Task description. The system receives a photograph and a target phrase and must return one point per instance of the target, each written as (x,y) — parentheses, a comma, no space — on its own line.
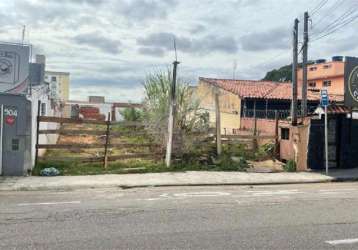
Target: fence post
(105,158)
(37,132)
(255,128)
(277,146)
(218,124)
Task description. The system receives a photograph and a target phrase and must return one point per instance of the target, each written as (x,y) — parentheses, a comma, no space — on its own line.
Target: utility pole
(304,66)
(218,123)
(294,74)
(172,111)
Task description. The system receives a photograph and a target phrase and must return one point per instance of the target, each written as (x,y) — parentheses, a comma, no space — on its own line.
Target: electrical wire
(331,9)
(337,22)
(354,18)
(319,6)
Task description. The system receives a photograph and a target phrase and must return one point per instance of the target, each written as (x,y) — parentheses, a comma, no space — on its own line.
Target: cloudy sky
(109,46)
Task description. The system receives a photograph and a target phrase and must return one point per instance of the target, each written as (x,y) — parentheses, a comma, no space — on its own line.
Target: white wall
(41,93)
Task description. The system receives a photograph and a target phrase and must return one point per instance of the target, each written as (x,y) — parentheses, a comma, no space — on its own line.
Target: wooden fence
(107,133)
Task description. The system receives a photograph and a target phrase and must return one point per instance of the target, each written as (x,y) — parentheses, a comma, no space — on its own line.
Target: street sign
(324,97)
(325,103)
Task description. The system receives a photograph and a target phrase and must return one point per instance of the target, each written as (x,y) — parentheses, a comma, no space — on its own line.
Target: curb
(77,187)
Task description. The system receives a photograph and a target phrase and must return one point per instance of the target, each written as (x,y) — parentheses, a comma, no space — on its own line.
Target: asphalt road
(314,216)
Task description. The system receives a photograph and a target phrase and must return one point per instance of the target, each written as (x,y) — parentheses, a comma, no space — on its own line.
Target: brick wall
(264,126)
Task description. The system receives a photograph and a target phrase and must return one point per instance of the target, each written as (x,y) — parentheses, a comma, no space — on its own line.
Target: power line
(336,28)
(319,6)
(338,21)
(333,7)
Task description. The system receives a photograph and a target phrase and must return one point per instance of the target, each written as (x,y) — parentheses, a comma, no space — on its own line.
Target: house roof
(264,89)
(334,110)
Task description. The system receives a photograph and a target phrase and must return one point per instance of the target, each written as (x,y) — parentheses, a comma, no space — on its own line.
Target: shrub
(230,163)
(290,166)
(132,114)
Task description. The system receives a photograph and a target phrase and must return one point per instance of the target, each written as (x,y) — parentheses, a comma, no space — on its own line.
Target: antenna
(175,50)
(23,34)
(234,69)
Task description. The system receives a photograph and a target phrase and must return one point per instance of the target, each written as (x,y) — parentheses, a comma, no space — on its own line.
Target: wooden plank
(87,146)
(69,120)
(69,146)
(128,133)
(72,132)
(72,159)
(101,158)
(133,156)
(238,137)
(127,124)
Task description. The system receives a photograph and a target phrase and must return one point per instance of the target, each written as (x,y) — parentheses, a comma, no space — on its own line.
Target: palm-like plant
(188,116)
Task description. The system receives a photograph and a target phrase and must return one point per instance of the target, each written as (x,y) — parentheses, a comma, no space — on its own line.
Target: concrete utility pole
(171,115)
(304,66)
(218,123)
(294,74)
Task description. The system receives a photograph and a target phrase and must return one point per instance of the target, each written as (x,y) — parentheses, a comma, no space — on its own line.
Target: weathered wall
(230,107)
(295,148)
(264,126)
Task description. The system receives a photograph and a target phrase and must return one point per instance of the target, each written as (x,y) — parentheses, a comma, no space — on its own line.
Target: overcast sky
(109,46)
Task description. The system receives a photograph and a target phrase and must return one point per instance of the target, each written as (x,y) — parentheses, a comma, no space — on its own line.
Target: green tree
(283,74)
(188,117)
(132,114)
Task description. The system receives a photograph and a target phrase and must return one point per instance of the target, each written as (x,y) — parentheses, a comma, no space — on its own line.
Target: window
(43,109)
(327,66)
(53,78)
(327,83)
(15,144)
(285,133)
(312,84)
(313,68)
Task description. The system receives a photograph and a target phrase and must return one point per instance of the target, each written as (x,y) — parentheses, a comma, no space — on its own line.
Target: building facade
(323,74)
(230,106)
(23,94)
(242,100)
(59,84)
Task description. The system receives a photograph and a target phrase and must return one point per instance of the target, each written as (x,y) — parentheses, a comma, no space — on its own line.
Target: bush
(132,114)
(265,152)
(290,166)
(231,163)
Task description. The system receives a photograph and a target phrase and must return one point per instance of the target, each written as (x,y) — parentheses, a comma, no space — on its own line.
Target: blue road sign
(324,97)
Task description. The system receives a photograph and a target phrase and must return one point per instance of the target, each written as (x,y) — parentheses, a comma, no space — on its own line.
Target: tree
(188,117)
(283,74)
(131,114)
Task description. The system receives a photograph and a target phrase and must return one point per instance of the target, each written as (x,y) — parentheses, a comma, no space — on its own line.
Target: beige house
(230,106)
(59,84)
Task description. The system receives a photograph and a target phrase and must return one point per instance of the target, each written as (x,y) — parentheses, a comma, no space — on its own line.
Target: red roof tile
(263,89)
(334,110)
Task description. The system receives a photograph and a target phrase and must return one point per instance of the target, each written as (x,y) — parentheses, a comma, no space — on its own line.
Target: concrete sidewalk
(159,179)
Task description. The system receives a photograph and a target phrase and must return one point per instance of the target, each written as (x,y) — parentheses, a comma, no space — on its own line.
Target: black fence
(266,114)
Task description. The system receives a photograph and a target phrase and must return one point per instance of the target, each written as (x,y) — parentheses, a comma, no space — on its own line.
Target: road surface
(309,216)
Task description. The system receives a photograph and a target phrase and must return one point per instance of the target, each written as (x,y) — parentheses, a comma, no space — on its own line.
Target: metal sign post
(325,102)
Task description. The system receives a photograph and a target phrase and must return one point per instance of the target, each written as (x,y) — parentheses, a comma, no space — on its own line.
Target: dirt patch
(268,166)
